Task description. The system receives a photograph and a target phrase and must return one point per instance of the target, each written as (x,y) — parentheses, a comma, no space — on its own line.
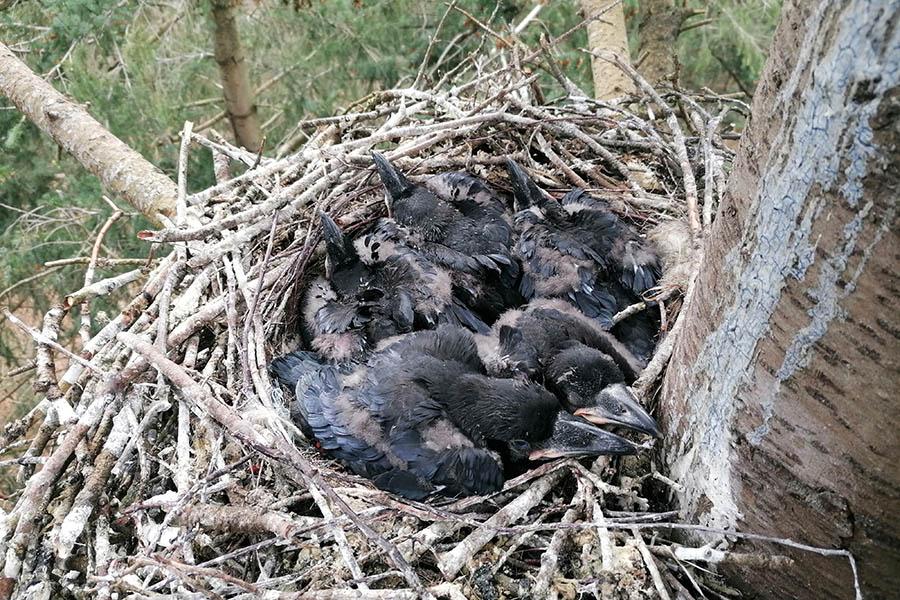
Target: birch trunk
(780,403)
(120,169)
(609,34)
(239,104)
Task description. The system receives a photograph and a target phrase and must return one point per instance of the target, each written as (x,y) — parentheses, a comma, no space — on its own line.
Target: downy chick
(550,341)
(579,244)
(366,297)
(556,263)
(632,262)
(470,238)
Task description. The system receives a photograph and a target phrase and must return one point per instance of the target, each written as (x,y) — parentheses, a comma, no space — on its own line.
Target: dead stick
(103,287)
(451,562)
(282,451)
(650,562)
(550,558)
(84,331)
(42,339)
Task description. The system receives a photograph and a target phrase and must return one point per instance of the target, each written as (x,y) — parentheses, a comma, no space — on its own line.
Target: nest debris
(168,464)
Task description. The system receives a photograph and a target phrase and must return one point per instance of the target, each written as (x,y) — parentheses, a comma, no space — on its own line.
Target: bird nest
(162,460)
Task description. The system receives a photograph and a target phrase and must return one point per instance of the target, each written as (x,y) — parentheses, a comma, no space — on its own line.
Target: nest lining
(169,465)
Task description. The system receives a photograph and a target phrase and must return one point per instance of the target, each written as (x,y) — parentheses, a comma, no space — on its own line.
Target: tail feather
(458,314)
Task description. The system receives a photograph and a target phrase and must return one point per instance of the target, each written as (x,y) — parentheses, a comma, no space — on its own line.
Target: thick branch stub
(120,169)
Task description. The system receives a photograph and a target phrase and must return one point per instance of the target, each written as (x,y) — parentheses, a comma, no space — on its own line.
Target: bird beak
(393,180)
(334,240)
(525,191)
(574,437)
(616,405)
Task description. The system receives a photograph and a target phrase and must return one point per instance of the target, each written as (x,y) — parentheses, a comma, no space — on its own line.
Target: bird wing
(624,249)
(332,416)
(456,471)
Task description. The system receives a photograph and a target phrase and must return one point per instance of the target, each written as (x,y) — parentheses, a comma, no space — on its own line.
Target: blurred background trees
(144,67)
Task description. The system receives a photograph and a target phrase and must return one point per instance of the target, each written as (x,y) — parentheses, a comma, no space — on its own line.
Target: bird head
(592,386)
(525,191)
(395,183)
(339,250)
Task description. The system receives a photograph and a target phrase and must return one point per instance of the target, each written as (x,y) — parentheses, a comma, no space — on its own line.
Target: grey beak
(335,249)
(616,405)
(574,437)
(393,180)
(525,191)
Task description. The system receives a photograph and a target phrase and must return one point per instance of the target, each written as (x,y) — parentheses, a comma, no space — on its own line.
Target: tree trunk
(608,33)
(780,401)
(120,169)
(235,76)
(661,22)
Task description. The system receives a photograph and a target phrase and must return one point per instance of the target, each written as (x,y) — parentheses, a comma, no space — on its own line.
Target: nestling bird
(471,239)
(551,342)
(422,416)
(579,250)
(373,290)
(556,262)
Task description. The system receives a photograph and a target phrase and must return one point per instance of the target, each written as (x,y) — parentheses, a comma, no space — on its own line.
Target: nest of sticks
(161,461)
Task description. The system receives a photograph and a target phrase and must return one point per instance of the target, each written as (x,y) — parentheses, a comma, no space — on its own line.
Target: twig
(27,280)
(650,563)
(711,555)
(550,558)
(431,42)
(100,262)
(43,339)
(85,329)
(451,562)
(103,287)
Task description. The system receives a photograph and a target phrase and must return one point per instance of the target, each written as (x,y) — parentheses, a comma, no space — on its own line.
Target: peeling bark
(236,87)
(780,401)
(608,33)
(120,169)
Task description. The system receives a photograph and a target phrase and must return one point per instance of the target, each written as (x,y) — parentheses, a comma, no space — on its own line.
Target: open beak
(394,181)
(525,191)
(616,405)
(574,437)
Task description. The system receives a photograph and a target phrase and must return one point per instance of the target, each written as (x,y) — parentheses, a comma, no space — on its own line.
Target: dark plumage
(628,256)
(556,261)
(552,342)
(421,416)
(476,199)
(375,289)
(429,285)
(632,262)
(579,250)
(466,234)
